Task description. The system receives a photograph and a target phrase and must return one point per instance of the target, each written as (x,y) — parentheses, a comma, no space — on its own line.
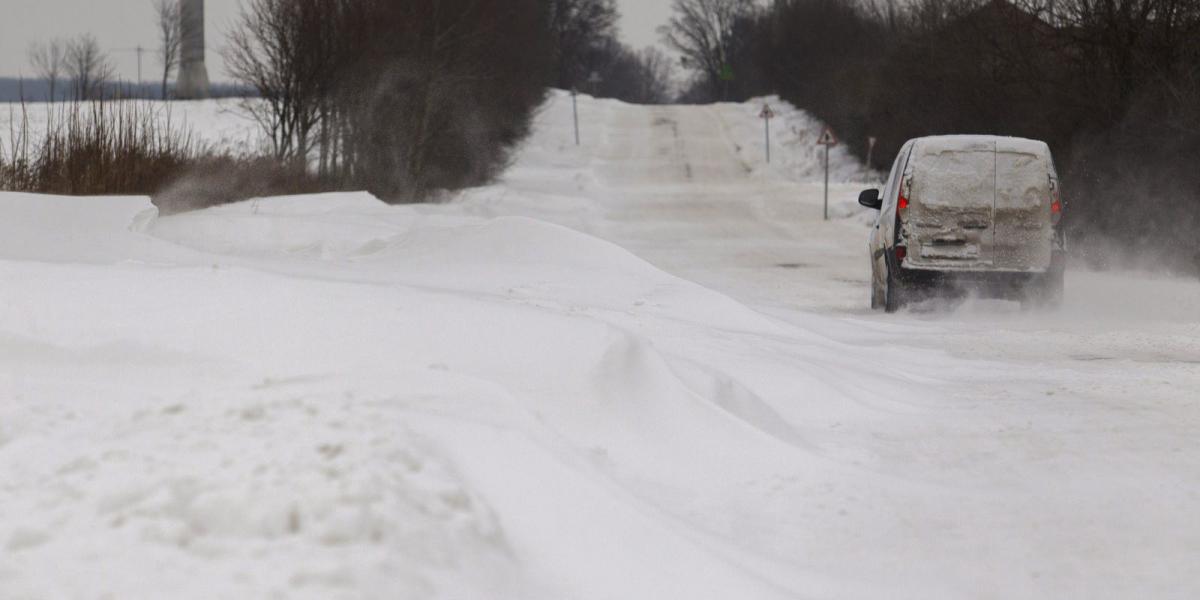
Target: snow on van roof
(936,144)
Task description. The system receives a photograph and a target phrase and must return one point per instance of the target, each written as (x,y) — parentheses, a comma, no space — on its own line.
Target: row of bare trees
(167,24)
(80,60)
(589,57)
(87,69)
(711,36)
(399,98)
(1112,85)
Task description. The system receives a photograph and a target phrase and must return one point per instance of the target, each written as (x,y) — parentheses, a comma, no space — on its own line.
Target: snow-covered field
(643,368)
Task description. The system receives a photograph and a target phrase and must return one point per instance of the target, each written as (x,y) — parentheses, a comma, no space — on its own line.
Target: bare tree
(703,32)
(166,17)
(655,73)
(578,27)
(399,98)
(88,67)
(48,60)
(636,77)
(283,49)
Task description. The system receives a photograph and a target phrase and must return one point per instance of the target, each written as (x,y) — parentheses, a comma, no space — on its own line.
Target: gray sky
(121,25)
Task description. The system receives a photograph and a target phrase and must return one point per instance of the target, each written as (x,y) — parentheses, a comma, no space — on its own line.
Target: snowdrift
(70,229)
(322,394)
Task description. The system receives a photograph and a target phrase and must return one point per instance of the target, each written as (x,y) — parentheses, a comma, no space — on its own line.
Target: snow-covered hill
(640,368)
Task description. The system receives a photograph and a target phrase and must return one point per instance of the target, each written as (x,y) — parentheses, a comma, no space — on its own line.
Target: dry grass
(134,148)
(96,148)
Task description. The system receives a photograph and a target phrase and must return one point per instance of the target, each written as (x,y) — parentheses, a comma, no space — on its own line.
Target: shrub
(96,148)
(135,148)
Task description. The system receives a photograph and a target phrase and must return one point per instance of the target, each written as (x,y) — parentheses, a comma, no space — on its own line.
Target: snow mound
(74,229)
(333,397)
(279,486)
(795,154)
(306,204)
(524,259)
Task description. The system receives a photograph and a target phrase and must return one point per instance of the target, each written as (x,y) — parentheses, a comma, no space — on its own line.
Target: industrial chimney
(193,74)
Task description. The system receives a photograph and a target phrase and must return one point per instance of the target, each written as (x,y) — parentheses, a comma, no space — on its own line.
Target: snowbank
(795,154)
(331,396)
(72,229)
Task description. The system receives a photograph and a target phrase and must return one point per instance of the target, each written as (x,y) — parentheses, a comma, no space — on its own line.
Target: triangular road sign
(827,138)
(766,113)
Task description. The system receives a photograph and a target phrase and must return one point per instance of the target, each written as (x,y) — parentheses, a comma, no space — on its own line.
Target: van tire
(1053,289)
(1045,293)
(877,295)
(895,296)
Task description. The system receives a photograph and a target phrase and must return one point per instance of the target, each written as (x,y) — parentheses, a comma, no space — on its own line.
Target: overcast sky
(122,25)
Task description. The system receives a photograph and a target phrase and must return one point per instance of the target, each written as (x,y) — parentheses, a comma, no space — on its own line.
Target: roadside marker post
(575,112)
(593,80)
(871,141)
(828,141)
(766,115)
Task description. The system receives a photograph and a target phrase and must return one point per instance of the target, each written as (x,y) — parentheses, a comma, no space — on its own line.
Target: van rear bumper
(987,282)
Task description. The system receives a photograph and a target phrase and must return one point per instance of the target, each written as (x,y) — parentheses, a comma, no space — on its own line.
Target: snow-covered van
(979,213)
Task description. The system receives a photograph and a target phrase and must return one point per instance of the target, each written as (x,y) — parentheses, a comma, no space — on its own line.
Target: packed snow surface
(639,368)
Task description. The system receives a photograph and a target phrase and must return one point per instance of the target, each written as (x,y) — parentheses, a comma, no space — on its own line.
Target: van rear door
(952,194)
(1023,228)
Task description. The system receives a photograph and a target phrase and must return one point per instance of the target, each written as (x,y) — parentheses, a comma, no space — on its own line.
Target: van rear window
(955,178)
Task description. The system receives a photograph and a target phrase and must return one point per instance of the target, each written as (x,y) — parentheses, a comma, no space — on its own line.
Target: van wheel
(1047,293)
(1053,288)
(895,295)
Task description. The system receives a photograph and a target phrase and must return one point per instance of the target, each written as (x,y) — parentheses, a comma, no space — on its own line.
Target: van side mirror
(870,199)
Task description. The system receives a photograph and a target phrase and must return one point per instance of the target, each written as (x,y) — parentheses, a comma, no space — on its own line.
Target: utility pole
(139,50)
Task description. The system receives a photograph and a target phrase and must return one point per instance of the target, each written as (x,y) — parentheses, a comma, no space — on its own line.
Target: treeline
(398,98)
(408,98)
(403,99)
(589,57)
(1112,85)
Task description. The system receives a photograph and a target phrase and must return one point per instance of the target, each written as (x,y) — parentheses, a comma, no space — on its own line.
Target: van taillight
(901,252)
(1055,209)
(903,203)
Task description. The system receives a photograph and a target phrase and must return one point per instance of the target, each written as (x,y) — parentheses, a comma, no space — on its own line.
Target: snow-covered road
(1053,454)
(643,368)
